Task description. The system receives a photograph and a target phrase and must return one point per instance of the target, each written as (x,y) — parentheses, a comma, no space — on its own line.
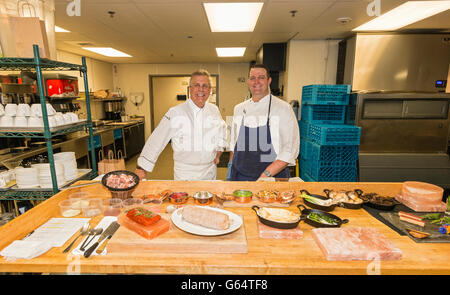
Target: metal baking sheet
(432,229)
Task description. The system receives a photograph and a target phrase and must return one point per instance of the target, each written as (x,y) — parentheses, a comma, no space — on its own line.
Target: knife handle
(91,249)
(103,245)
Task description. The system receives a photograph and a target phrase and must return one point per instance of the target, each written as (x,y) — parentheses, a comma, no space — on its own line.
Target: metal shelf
(29,64)
(38,65)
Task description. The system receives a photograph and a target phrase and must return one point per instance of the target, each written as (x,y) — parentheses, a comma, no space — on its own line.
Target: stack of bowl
(70,164)
(45,175)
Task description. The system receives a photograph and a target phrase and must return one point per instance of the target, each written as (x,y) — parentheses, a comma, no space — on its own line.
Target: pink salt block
(355,243)
(422,192)
(267,232)
(419,206)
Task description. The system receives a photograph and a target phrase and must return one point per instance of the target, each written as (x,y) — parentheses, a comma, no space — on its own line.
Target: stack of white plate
(26,177)
(45,175)
(70,164)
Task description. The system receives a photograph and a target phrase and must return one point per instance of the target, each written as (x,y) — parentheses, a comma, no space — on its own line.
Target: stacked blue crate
(328,146)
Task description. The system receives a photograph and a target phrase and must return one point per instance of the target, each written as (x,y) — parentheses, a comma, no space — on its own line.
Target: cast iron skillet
(317,206)
(380,206)
(118,172)
(348,205)
(275,224)
(305,212)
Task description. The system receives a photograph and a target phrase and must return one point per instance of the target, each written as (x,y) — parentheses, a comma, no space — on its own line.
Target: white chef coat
(284,129)
(196,135)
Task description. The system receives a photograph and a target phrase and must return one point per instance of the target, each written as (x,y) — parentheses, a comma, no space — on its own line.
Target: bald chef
(197,132)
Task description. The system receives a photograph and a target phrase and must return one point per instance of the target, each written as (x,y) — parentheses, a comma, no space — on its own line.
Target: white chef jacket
(284,129)
(196,135)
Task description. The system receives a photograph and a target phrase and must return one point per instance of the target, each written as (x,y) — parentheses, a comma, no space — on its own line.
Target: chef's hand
(229,171)
(217,158)
(140,173)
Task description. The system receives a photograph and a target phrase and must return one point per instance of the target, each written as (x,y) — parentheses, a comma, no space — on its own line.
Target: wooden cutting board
(178,241)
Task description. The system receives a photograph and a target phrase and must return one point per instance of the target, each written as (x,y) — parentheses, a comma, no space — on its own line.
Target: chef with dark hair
(265,137)
(197,133)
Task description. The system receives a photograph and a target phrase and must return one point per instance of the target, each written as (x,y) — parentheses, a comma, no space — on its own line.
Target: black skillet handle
(359,192)
(300,205)
(304,191)
(343,221)
(327,192)
(254,207)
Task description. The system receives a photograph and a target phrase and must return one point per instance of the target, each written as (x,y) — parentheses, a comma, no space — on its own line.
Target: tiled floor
(164,166)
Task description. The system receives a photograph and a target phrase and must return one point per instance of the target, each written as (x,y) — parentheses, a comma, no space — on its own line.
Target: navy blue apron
(251,157)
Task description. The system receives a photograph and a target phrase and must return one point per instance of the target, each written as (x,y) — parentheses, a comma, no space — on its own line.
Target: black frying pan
(305,212)
(317,206)
(275,224)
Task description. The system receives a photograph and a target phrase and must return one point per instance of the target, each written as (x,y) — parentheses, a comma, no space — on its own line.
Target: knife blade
(110,230)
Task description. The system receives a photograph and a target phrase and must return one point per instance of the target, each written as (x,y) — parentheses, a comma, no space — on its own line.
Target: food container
(203,198)
(373,200)
(178,198)
(273,223)
(121,193)
(348,205)
(79,199)
(68,209)
(305,213)
(242,196)
(92,209)
(131,203)
(317,206)
(268,196)
(112,207)
(286,197)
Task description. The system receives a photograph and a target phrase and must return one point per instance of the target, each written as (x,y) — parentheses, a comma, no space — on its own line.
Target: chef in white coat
(197,133)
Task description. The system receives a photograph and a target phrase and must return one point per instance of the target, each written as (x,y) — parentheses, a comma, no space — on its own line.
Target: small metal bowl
(178,198)
(243,196)
(203,198)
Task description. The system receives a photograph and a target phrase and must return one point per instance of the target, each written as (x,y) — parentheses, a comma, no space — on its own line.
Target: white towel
(25,249)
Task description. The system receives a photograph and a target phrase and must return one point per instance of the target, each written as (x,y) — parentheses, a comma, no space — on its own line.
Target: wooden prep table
(265,256)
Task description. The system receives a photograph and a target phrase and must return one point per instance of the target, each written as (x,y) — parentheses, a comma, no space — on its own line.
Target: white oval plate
(177,219)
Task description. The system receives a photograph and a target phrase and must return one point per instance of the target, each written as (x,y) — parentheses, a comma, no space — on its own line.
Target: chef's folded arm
(155,144)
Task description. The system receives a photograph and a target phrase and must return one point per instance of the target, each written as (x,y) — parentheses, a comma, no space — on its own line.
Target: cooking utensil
(317,206)
(92,234)
(80,185)
(417,234)
(110,230)
(386,205)
(83,231)
(276,224)
(305,212)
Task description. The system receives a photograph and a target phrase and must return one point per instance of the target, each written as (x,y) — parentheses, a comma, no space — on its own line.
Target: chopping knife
(112,228)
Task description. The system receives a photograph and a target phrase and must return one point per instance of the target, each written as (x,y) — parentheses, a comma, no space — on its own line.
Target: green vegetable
(322,219)
(431,216)
(310,199)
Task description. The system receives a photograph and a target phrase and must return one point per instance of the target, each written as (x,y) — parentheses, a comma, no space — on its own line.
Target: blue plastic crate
(346,173)
(303,154)
(326,94)
(323,114)
(350,113)
(97,142)
(331,154)
(305,177)
(334,134)
(352,98)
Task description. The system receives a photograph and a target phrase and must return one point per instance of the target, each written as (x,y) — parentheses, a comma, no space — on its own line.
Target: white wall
(309,62)
(135,78)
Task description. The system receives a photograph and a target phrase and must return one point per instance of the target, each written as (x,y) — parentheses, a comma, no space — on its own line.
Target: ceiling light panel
(107,51)
(60,30)
(230,51)
(405,14)
(233,17)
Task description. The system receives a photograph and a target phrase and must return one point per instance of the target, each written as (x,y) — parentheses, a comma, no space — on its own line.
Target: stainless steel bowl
(203,197)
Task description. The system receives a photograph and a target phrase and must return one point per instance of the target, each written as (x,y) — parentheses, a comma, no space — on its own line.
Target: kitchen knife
(108,232)
(102,246)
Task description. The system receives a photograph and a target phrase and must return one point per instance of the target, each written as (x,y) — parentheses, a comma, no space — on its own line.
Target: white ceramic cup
(23,109)
(59,119)
(7,121)
(11,109)
(52,121)
(74,117)
(67,118)
(20,121)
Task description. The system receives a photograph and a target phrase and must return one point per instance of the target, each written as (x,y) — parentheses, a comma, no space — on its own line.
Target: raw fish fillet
(267,232)
(355,243)
(148,232)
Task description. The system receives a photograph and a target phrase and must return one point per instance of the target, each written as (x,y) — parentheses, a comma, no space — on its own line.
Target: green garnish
(322,219)
(431,216)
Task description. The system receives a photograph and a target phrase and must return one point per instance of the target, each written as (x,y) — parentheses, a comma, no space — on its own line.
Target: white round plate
(177,219)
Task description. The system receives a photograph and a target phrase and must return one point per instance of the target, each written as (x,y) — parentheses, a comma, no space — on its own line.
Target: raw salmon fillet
(267,232)
(355,243)
(148,232)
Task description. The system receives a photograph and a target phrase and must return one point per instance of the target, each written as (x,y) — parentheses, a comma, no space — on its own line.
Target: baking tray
(432,229)
(41,129)
(81,173)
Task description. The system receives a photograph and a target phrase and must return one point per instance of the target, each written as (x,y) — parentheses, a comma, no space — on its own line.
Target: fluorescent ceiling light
(405,14)
(230,51)
(107,51)
(232,17)
(60,30)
